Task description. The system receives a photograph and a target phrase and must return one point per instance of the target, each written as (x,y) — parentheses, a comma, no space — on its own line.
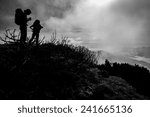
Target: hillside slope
(57,71)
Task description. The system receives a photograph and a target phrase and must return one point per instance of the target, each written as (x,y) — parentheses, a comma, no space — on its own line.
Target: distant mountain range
(139,56)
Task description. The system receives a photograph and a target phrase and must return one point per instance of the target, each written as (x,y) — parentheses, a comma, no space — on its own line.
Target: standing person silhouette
(21,19)
(23,26)
(36,27)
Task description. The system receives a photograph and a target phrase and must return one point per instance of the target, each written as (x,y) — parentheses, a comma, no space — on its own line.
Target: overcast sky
(98,24)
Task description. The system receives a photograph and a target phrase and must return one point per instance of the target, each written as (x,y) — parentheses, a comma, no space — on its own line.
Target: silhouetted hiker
(36,27)
(21,19)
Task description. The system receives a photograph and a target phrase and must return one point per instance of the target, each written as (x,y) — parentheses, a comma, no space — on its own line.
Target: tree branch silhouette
(11,36)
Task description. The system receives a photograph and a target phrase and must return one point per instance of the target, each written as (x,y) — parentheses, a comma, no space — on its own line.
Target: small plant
(63,40)
(11,36)
(86,55)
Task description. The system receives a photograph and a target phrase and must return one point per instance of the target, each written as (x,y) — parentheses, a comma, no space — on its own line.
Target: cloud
(111,25)
(44,9)
(136,12)
(100,26)
(7,9)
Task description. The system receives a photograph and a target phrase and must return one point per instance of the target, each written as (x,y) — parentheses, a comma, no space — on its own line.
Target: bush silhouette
(137,76)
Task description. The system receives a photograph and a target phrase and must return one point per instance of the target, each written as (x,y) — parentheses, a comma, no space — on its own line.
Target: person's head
(19,11)
(27,11)
(37,22)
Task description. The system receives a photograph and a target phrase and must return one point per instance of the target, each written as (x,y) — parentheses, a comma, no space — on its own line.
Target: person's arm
(28,19)
(41,26)
(31,26)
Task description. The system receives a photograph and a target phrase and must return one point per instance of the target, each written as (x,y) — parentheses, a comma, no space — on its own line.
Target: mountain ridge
(103,55)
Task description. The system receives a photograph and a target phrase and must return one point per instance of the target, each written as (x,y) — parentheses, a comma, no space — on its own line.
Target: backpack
(18,16)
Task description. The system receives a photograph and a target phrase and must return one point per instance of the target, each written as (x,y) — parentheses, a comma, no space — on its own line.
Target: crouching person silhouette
(21,19)
(36,27)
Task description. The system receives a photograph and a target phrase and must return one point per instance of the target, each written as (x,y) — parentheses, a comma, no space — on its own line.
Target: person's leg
(23,37)
(37,39)
(25,34)
(33,36)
